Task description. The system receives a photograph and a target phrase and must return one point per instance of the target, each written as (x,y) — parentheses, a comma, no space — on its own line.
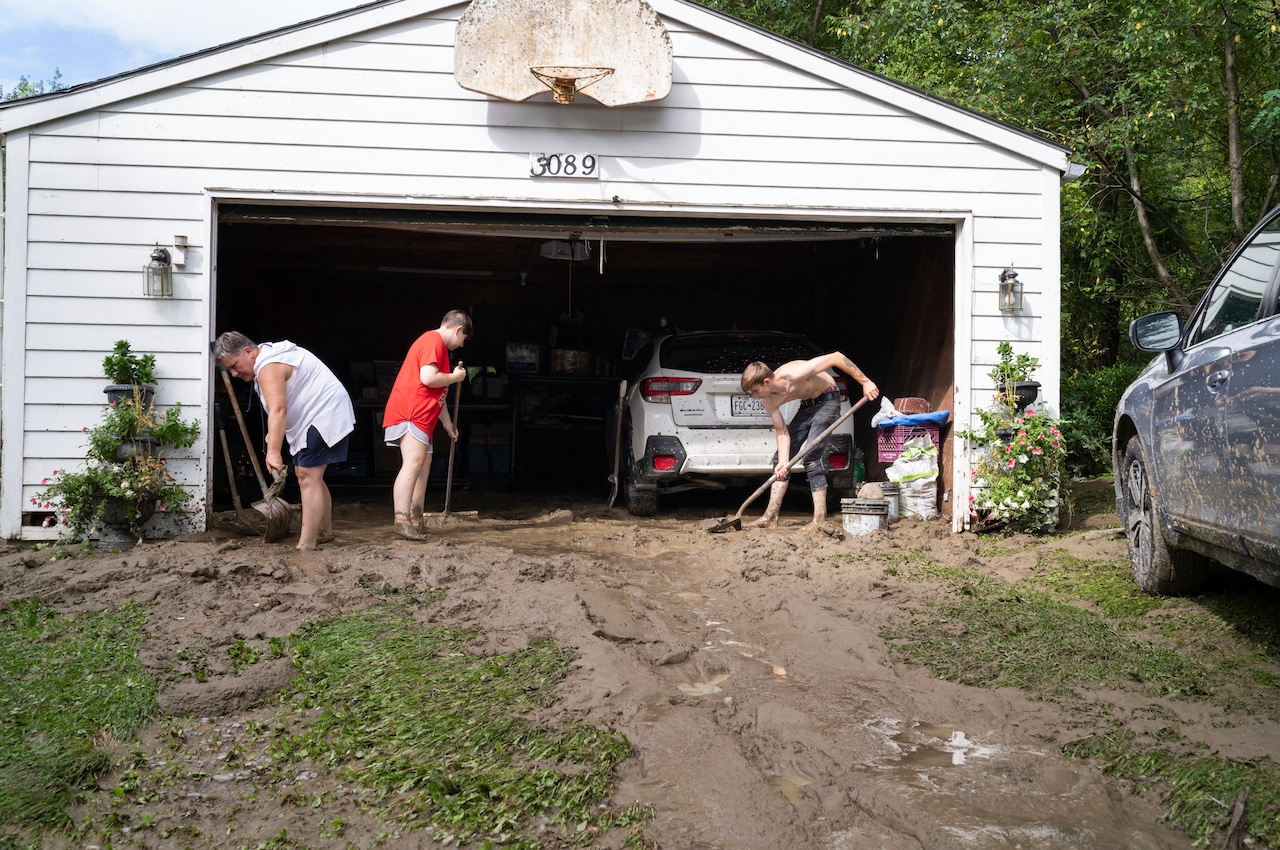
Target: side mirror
(1156,332)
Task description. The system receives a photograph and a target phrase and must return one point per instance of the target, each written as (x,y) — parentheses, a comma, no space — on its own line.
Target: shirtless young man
(811,383)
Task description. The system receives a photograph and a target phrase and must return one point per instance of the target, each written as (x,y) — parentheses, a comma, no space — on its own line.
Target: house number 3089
(563,165)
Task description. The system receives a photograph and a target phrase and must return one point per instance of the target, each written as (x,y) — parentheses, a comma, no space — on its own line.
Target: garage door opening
(358,286)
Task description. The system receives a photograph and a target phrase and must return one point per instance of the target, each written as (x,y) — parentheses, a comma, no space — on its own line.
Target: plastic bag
(916,472)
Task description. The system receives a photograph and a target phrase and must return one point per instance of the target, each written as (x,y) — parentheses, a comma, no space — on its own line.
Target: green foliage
(1138,92)
(68,688)
(124,460)
(452,735)
(1012,368)
(122,366)
(26,88)
(1089,401)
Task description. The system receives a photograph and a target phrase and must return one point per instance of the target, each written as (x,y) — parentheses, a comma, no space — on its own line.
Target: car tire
(1157,569)
(641,502)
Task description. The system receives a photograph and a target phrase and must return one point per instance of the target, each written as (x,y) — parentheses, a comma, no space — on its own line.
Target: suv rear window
(730,353)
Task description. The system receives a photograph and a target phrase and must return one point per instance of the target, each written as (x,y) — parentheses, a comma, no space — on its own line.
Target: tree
(1172,106)
(26,88)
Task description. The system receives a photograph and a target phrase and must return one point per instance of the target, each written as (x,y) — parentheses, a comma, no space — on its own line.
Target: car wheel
(1157,569)
(641,502)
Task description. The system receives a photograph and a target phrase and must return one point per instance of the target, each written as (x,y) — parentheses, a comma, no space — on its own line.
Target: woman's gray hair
(230,344)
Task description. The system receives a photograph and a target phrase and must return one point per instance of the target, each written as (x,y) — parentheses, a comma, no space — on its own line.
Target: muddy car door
(1253,416)
(1192,407)
(1194,410)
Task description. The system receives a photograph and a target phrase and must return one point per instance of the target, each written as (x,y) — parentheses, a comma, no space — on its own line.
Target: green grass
(1198,789)
(465,744)
(69,687)
(1078,625)
(461,745)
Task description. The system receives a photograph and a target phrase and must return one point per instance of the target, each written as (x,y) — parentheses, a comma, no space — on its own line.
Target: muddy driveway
(746,669)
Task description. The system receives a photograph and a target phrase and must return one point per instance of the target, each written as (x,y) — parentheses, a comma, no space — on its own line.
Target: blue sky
(90,39)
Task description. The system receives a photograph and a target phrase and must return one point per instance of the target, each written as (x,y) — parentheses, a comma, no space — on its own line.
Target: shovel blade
(719,526)
(279,517)
(278,512)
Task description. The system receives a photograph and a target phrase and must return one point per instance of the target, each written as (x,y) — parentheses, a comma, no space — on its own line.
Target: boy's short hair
(457,319)
(754,375)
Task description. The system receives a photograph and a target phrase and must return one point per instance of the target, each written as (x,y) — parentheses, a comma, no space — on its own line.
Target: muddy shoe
(408,532)
(325,537)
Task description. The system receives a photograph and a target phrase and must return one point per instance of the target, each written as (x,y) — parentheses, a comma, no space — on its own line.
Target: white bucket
(862,516)
(890,490)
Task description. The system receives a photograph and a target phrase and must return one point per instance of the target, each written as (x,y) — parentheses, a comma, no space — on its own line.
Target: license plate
(745,405)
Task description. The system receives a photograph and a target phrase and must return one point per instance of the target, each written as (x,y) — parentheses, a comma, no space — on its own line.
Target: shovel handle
(799,456)
(453,444)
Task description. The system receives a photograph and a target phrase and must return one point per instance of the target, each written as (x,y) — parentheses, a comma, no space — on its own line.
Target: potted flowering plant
(1018,473)
(1017,480)
(125,477)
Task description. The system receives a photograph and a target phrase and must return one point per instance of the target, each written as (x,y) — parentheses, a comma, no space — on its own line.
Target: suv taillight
(843,384)
(660,390)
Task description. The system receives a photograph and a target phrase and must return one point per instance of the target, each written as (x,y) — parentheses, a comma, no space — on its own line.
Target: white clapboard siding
(363,108)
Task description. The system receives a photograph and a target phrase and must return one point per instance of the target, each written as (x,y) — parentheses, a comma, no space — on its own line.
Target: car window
(728,354)
(1236,297)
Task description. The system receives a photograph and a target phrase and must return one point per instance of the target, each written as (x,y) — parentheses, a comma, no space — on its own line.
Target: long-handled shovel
(617,443)
(734,522)
(244,519)
(277,511)
(448,485)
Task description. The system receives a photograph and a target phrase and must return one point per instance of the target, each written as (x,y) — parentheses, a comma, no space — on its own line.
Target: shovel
(734,522)
(448,486)
(277,511)
(617,443)
(244,519)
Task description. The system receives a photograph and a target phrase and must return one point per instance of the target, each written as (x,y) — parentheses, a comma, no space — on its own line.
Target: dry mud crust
(746,669)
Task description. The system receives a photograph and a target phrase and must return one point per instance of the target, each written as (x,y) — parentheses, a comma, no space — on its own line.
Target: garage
(333,183)
(635,278)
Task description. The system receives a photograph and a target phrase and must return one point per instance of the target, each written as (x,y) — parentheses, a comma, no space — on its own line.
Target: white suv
(688,425)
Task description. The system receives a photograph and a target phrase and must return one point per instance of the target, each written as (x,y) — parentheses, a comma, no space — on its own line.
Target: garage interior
(357,286)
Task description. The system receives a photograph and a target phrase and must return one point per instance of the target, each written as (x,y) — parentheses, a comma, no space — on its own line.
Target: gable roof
(30,112)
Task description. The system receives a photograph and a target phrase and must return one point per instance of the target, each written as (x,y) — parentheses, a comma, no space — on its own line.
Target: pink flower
(1037,451)
(1011,462)
(1029,413)
(33,500)
(44,482)
(84,430)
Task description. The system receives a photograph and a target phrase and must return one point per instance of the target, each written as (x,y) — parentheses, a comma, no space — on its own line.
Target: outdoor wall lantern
(1010,292)
(159,274)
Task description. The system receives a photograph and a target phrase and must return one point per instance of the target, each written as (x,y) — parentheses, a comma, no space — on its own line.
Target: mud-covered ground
(746,669)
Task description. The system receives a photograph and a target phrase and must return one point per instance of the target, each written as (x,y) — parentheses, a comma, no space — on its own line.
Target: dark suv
(1196,445)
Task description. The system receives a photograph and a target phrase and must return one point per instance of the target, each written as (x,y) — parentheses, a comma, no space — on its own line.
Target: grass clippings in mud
(69,687)
(432,737)
(450,738)
(1076,627)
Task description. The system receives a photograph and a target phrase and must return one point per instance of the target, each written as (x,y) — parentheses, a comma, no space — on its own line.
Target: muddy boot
(770,518)
(408,529)
(418,520)
(819,511)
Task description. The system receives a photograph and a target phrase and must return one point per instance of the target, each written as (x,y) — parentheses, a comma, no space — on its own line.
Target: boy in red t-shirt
(415,404)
